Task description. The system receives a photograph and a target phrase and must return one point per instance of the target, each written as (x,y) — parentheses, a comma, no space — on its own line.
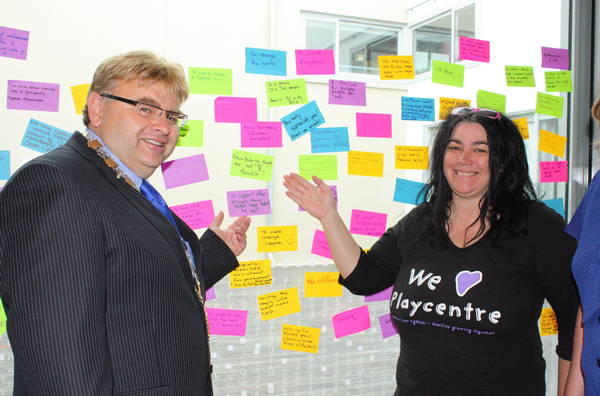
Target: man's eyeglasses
(152,112)
(484,112)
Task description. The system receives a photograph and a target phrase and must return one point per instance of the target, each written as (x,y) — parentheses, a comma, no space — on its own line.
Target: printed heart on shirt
(465,280)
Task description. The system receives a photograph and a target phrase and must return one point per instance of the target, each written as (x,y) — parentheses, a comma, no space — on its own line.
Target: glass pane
(320,34)
(464,25)
(432,42)
(360,46)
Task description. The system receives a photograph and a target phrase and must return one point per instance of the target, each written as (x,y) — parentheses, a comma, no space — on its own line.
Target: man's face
(142,144)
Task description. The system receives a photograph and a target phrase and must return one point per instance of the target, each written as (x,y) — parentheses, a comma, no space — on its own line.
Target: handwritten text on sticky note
(230,322)
(181,172)
(210,81)
(559,81)
(301,121)
(352,321)
(264,61)
(554,171)
(396,67)
(314,62)
(549,104)
(43,137)
(280,303)
(552,143)
(322,166)
(251,165)
(322,284)
(555,58)
(277,238)
(473,49)
(300,338)
(368,223)
(328,140)
(192,134)
(407,191)
(348,93)
(286,92)
(248,202)
(448,104)
(362,163)
(197,214)
(262,134)
(548,322)
(386,323)
(320,245)
(36,96)
(412,157)
(448,73)
(523,127)
(14,43)
(251,273)
(418,109)
(519,76)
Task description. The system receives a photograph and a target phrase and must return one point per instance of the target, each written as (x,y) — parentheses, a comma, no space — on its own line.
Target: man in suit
(104,294)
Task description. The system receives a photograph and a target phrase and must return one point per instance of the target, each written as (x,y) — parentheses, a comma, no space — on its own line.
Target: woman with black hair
(471,266)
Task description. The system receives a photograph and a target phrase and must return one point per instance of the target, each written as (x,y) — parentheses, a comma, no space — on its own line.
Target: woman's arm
(575,384)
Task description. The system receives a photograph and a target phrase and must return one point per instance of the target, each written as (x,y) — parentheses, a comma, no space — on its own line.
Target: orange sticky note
(412,157)
(552,143)
(523,126)
(251,273)
(79,93)
(362,163)
(300,338)
(322,284)
(447,104)
(396,67)
(277,304)
(548,323)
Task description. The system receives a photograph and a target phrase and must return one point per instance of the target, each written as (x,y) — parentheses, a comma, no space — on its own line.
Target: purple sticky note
(383,295)
(373,125)
(473,49)
(235,110)
(347,93)
(388,328)
(197,214)
(184,171)
(248,202)
(314,62)
(14,43)
(227,321)
(320,247)
(351,322)
(210,294)
(555,58)
(27,95)
(335,196)
(262,134)
(368,223)
(554,171)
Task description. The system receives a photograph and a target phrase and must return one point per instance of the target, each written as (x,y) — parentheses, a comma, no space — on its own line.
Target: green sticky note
(322,166)
(210,81)
(519,76)
(286,92)
(2,319)
(559,81)
(549,104)
(448,73)
(192,134)
(251,165)
(490,100)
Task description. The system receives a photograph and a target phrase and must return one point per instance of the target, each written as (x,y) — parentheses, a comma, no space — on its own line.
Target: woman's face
(467,162)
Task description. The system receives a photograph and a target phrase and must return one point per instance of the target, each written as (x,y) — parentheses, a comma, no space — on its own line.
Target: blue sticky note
(327,140)
(418,109)
(264,61)
(301,121)
(43,137)
(407,191)
(557,204)
(4,165)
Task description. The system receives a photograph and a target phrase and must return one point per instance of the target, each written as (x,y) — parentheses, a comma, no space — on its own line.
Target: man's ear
(95,109)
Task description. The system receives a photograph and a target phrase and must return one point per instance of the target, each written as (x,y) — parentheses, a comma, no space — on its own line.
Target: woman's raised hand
(317,200)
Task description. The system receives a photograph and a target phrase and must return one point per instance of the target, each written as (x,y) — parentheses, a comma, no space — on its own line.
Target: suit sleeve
(217,259)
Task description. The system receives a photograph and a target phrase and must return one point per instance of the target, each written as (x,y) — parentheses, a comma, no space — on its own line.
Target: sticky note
(368,223)
(491,100)
(362,163)
(552,143)
(191,134)
(388,328)
(555,58)
(351,322)
(184,171)
(264,61)
(300,338)
(14,43)
(43,137)
(36,96)
(554,171)
(348,93)
(396,67)
(523,127)
(197,215)
(286,92)
(248,202)
(280,303)
(412,157)
(557,204)
(302,120)
(322,284)
(79,93)
(549,104)
(251,273)
(322,166)
(210,81)
(373,125)
(251,165)
(383,295)
(277,238)
(418,109)
(448,73)
(519,76)
(328,140)
(320,246)
(262,134)
(473,49)
(335,196)
(407,191)
(210,294)
(231,322)
(2,319)
(311,61)
(559,81)
(235,110)
(4,164)
(448,104)
(548,323)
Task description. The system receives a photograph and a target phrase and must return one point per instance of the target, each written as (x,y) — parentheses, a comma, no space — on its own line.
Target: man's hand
(234,235)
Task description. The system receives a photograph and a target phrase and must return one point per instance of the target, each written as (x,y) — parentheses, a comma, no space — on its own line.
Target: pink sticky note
(383,295)
(314,62)
(184,171)
(555,58)
(373,125)
(473,49)
(351,322)
(320,247)
(248,202)
(14,43)
(235,110)
(347,93)
(27,95)
(227,321)
(368,223)
(262,134)
(554,171)
(197,214)
(210,294)
(335,196)
(388,328)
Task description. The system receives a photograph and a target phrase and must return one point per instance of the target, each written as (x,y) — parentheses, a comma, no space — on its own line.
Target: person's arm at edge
(574,382)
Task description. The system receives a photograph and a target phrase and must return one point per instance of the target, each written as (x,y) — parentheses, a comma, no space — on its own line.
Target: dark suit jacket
(96,285)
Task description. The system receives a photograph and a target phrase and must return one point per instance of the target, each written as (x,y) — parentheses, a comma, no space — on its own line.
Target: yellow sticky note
(523,126)
(447,104)
(251,165)
(396,67)
(363,163)
(277,239)
(79,93)
(209,81)
(548,323)
(322,284)
(277,304)
(552,143)
(251,273)
(300,338)
(412,157)
(286,92)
